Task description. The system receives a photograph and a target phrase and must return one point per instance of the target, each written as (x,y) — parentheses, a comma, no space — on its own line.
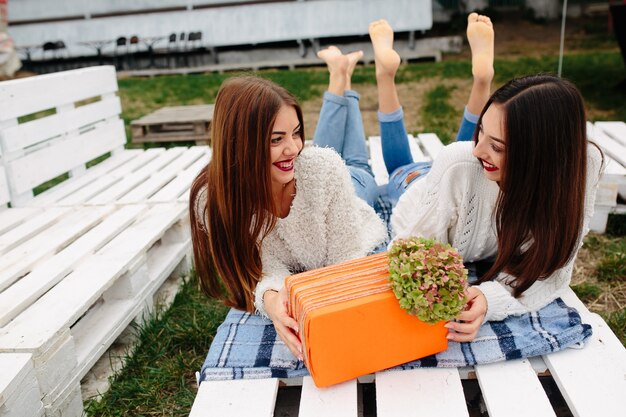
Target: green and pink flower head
(428,278)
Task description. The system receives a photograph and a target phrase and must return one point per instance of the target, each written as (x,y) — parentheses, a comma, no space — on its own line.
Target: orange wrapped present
(351,323)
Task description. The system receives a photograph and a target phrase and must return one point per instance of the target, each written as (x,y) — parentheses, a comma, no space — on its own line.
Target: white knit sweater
(327,223)
(454,203)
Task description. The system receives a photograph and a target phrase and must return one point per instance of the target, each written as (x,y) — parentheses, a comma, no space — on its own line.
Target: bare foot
(387,60)
(353,59)
(480,36)
(334,59)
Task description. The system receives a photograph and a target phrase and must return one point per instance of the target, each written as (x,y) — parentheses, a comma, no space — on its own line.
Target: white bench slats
(33,94)
(53,195)
(611,146)
(182,183)
(617,130)
(24,231)
(103,182)
(337,401)
(11,218)
(243,397)
(593,379)
(31,133)
(504,384)
(435,392)
(48,273)
(39,166)
(68,300)
(19,393)
(162,177)
(46,242)
(129,182)
(5,197)
(431,144)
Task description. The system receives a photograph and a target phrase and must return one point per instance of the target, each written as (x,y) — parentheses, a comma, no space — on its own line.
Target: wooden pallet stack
(82,260)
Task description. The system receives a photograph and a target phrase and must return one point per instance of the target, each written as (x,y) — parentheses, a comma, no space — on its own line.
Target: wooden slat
(177,114)
(4,185)
(504,384)
(243,397)
(182,183)
(103,183)
(26,230)
(431,143)
(48,242)
(593,379)
(611,146)
(336,401)
(13,217)
(60,307)
(55,194)
(14,366)
(48,273)
(123,187)
(37,167)
(30,133)
(24,96)
(616,130)
(162,177)
(435,392)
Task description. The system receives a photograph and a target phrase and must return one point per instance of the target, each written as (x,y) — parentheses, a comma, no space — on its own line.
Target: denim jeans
(340,127)
(397,154)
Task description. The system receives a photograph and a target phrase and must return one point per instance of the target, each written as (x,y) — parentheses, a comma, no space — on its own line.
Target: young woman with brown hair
(265,207)
(520,190)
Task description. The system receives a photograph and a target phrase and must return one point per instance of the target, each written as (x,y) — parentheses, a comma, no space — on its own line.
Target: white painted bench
(611,137)
(591,380)
(82,260)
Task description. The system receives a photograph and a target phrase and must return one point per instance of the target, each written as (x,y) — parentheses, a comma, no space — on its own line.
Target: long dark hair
(540,208)
(231,205)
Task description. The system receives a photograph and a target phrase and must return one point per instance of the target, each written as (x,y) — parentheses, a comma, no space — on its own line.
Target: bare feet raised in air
(340,67)
(387,60)
(480,36)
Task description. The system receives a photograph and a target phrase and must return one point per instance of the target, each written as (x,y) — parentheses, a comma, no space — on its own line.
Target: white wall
(236,25)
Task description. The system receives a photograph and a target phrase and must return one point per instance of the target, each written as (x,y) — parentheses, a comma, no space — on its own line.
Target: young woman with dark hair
(518,190)
(265,207)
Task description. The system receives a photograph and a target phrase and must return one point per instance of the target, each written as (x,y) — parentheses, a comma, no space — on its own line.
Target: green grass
(617,323)
(438,116)
(158,378)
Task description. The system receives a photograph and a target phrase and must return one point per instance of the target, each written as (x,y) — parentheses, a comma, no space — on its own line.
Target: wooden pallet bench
(591,380)
(611,137)
(175,124)
(64,142)
(73,278)
(82,260)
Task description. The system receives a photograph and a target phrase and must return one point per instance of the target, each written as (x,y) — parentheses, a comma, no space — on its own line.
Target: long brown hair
(231,205)
(540,209)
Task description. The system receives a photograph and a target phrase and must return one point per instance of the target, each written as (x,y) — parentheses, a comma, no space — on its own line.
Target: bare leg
(337,67)
(353,59)
(480,36)
(387,62)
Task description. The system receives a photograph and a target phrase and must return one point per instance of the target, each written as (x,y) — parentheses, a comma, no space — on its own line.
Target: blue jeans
(397,154)
(340,127)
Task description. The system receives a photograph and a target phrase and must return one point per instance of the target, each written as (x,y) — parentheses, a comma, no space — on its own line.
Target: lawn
(158,378)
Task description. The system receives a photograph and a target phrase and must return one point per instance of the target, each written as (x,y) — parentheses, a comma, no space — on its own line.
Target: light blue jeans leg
(341,129)
(468,126)
(394,140)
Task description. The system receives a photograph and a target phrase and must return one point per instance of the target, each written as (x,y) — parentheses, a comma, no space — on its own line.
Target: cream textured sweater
(327,223)
(454,203)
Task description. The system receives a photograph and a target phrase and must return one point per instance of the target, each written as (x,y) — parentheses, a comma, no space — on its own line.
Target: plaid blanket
(246,345)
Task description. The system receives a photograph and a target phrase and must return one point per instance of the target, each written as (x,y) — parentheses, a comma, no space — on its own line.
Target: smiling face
(286,143)
(490,149)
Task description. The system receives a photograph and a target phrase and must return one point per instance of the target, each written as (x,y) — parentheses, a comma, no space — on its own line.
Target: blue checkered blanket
(246,345)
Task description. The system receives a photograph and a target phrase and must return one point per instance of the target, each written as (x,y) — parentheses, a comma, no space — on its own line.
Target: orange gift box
(351,323)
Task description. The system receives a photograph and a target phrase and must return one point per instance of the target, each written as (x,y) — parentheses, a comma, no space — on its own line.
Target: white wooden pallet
(19,392)
(611,137)
(39,150)
(592,380)
(73,278)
